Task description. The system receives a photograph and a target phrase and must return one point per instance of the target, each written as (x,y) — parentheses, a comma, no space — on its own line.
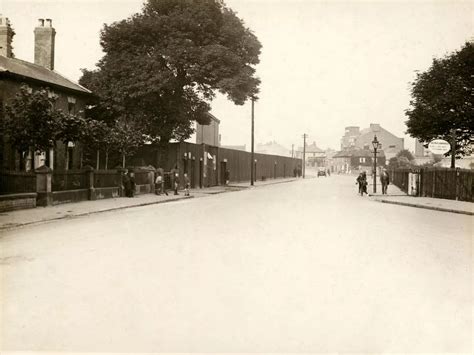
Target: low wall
(68,196)
(106,192)
(143,189)
(14,202)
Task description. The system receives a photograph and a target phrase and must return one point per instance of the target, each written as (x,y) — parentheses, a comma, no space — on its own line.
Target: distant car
(322,173)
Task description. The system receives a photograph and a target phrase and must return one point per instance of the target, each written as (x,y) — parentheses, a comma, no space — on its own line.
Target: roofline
(214,117)
(25,79)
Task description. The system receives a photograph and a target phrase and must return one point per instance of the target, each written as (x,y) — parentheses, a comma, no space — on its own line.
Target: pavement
(398,197)
(304,267)
(15,219)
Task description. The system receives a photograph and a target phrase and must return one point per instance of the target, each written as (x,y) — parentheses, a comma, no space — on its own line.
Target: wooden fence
(452,184)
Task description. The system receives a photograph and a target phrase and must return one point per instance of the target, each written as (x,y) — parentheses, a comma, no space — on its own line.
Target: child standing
(187,184)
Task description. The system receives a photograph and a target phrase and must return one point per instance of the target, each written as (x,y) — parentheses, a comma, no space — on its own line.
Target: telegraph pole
(292,150)
(252,163)
(304,153)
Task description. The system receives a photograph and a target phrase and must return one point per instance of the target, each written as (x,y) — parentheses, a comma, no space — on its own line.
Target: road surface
(307,266)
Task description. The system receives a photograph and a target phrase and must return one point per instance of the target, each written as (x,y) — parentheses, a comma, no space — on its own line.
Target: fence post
(44,191)
(89,171)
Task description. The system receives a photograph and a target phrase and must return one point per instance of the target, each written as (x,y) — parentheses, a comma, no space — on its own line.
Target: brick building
(71,97)
(354,138)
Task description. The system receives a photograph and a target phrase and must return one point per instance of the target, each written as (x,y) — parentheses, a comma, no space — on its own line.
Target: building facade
(208,134)
(15,73)
(354,138)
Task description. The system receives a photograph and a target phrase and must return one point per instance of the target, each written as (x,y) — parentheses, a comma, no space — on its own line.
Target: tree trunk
(97,165)
(123,161)
(106,159)
(66,167)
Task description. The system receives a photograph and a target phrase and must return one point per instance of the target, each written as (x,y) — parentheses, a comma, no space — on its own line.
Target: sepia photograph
(236,177)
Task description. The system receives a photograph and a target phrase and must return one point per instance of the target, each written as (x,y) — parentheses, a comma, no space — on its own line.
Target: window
(361,160)
(392,146)
(71,105)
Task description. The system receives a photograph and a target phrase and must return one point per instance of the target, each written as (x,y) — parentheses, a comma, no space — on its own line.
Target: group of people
(362,182)
(160,187)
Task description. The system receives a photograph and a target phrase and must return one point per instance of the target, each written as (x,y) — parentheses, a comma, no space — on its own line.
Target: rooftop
(27,70)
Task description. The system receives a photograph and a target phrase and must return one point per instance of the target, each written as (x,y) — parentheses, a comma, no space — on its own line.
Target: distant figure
(187,184)
(131,175)
(160,185)
(126,183)
(295,172)
(362,182)
(227,177)
(385,181)
(329,172)
(176,183)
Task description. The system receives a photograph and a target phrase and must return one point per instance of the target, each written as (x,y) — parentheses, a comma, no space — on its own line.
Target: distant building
(235,147)
(362,139)
(71,97)
(355,159)
(208,134)
(273,148)
(420,150)
(315,156)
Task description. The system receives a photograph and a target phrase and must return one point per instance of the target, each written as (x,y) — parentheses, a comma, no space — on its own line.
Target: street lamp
(376,145)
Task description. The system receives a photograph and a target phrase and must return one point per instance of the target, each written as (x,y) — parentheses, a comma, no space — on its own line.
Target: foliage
(71,128)
(30,121)
(406,154)
(442,101)
(163,66)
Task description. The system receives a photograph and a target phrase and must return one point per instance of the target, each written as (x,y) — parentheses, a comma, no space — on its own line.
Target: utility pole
(304,153)
(252,163)
(292,150)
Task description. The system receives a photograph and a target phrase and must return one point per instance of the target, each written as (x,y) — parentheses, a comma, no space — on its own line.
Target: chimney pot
(49,22)
(40,22)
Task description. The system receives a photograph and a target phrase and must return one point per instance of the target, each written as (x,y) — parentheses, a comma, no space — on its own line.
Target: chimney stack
(44,43)
(6,36)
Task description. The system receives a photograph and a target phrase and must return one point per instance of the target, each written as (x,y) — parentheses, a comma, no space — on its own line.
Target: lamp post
(376,145)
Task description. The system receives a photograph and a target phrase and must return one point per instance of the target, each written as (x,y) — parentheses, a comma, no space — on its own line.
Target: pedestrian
(362,182)
(227,177)
(160,185)
(187,184)
(126,183)
(131,175)
(385,181)
(176,183)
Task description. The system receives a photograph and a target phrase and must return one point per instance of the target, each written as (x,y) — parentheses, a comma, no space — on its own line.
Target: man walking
(385,181)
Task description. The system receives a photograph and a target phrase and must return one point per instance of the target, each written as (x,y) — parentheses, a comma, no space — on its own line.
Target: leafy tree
(163,66)
(71,128)
(30,122)
(442,101)
(125,139)
(405,153)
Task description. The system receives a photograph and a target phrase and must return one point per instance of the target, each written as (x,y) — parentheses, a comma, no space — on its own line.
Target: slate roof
(29,70)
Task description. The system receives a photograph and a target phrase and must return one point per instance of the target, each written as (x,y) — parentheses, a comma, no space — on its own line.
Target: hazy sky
(325,65)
